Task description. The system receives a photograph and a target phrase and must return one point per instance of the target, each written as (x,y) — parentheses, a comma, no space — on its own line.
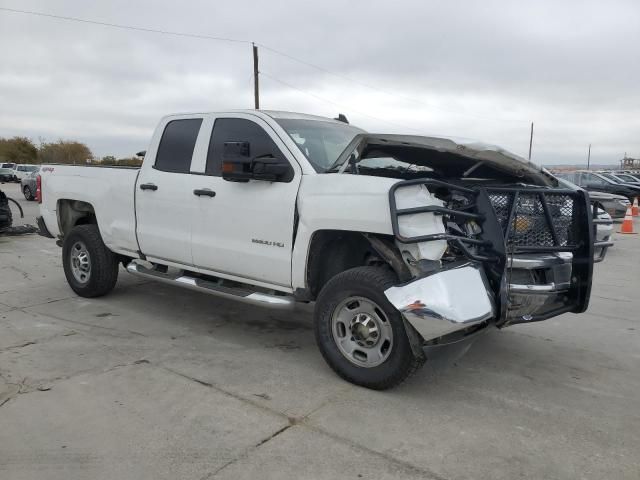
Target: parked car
(626,178)
(632,173)
(403,242)
(596,182)
(615,177)
(21,171)
(6,174)
(614,205)
(29,185)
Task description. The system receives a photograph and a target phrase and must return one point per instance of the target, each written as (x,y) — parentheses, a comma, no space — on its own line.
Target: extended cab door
(165,206)
(246,229)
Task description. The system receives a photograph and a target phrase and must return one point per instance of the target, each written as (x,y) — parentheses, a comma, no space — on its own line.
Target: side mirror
(237,166)
(269,168)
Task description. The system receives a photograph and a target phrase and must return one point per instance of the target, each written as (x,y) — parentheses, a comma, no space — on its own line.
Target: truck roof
(458,145)
(275,114)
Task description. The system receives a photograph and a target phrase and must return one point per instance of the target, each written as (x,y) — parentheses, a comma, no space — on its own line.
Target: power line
(335,104)
(124,27)
(379,90)
(266,47)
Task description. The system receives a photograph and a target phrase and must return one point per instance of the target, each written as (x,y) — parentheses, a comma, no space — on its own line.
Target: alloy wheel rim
(362,332)
(80,262)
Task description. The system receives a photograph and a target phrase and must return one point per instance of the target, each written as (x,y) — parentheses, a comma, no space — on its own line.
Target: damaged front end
(445,302)
(504,255)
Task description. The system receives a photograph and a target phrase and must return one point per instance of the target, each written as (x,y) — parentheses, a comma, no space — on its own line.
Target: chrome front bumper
(445,302)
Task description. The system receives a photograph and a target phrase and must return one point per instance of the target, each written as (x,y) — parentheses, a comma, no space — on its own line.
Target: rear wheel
(28,194)
(360,334)
(90,267)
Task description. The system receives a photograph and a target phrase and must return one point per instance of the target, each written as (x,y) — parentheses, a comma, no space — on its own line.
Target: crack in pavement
(90,325)
(38,341)
(24,387)
(302,422)
(247,452)
(20,345)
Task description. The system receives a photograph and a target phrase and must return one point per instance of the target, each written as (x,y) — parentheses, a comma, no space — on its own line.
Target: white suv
(23,171)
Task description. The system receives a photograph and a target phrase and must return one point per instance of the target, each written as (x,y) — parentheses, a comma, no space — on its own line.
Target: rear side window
(177,144)
(239,130)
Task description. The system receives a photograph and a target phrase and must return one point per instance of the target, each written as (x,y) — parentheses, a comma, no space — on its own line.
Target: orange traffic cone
(634,208)
(627,224)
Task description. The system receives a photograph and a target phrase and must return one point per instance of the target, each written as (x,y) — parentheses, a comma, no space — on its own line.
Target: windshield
(626,178)
(610,177)
(321,142)
(31,168)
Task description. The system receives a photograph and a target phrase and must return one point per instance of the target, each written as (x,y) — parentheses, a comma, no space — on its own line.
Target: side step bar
(282,302)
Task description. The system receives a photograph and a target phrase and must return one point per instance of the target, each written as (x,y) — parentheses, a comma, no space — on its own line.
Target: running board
(246,295)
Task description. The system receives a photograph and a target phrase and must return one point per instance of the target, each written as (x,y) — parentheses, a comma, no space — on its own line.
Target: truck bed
(109,189)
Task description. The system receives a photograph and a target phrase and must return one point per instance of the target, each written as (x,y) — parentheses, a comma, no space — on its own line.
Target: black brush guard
(515,220)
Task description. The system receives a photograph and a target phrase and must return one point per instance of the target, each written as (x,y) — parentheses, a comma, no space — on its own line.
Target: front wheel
(360,334)
(90,267)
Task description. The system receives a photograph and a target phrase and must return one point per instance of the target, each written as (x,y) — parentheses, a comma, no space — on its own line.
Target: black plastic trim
(43,231)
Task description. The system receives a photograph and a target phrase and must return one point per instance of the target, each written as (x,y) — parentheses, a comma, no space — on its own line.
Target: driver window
(239,130)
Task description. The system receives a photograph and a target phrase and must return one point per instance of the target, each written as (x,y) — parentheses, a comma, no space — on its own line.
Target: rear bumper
(445,302)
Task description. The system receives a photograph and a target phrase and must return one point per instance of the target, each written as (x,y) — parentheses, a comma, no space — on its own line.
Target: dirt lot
(153,382)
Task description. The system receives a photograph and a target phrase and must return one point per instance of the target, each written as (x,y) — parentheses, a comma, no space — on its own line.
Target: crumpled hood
(465,148)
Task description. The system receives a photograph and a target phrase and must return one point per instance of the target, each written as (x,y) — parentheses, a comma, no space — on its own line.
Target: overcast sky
(476,69)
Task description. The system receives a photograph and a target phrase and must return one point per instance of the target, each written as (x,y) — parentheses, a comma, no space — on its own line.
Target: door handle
(204,192)
(149,186)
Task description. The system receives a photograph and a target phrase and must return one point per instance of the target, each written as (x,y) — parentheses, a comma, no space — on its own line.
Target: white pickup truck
(404,243)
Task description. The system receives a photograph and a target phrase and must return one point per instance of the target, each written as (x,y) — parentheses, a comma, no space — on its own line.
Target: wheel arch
(71,213)
(334,251)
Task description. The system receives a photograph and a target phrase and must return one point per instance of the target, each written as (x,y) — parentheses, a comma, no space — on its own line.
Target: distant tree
(64,151)
(18,150)
(121,162)
(129,162)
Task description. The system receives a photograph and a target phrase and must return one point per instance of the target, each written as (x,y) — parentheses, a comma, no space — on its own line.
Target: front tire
(360,334)
(90,267)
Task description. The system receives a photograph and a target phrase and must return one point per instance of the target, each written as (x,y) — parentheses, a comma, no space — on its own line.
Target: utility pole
(589,158)
(256,84)
(530,141)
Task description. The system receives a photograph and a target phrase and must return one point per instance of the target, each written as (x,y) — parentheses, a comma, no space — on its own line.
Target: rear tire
(360,334)
(28,194)
(90,267)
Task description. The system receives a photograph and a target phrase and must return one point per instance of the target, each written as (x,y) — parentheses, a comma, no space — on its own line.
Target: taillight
(39,189)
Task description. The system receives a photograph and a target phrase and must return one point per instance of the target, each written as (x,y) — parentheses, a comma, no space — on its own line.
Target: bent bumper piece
(444,302)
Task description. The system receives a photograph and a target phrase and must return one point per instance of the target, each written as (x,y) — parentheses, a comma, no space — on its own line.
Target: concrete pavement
(157,382)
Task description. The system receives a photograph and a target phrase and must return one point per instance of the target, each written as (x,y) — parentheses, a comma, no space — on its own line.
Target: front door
(246,229)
